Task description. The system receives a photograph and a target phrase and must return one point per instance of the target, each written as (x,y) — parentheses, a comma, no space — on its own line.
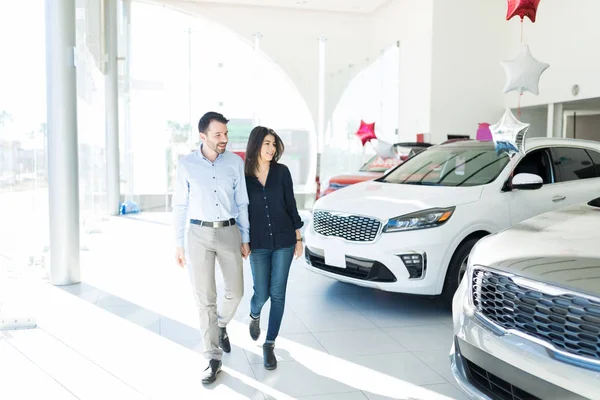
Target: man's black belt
(213,224)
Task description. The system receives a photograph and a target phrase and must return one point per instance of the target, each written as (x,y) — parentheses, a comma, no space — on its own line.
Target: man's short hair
(208,118)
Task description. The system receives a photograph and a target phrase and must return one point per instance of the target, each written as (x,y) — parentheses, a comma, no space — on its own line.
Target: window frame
(559,178)
(596,165)
(507,187)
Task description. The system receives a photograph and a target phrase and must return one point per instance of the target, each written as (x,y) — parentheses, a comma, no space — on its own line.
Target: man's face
(215,137)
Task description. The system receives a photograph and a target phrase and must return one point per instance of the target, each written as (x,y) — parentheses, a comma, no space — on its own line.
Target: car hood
(559,248)
(388,200)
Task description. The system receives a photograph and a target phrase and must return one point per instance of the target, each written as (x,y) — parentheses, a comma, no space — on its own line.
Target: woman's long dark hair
(255,142)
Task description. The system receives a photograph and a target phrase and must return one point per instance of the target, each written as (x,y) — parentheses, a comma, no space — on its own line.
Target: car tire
(459,258)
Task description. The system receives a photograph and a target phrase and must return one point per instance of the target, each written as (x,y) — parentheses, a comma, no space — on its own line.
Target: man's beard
(216,148)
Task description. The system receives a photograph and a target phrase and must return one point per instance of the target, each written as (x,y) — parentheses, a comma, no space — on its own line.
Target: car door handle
(556,199)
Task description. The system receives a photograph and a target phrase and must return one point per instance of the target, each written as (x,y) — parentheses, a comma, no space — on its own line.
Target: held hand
(245,250)
(298,249)
(180,256)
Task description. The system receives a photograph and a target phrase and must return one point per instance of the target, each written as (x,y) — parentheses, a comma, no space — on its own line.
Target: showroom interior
(445,158)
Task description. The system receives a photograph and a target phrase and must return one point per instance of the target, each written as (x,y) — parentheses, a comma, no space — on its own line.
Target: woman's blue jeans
(270,271)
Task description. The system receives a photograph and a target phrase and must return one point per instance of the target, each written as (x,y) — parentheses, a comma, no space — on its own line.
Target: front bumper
(487,364)
(382,265)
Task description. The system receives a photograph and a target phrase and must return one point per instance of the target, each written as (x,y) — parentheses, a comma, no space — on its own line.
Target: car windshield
(470,165)
(379,164)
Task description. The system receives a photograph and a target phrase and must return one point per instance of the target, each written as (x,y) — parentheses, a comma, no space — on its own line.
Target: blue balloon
(129,207)
(505,147)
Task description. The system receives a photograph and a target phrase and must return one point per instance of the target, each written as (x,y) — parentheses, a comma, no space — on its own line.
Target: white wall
(537,117)
(566,36)
(588,126)
(469,41)
(410,23)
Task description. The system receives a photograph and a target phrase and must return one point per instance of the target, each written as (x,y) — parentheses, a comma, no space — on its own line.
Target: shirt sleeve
(180,203)
(241,201)
(290,200)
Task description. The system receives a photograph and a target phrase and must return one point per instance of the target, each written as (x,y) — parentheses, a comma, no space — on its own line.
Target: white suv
(527,314)
(412,230)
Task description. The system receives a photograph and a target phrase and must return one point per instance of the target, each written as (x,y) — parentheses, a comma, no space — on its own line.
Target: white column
(550,121)
(127,99)
(190,122)
(61,104)
(111,84)
(558,125)
(258,80)
(399,83)
(321,98)
(555,121)
(321,107)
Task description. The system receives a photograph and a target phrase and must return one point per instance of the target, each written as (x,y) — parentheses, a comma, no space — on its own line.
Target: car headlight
(419,220)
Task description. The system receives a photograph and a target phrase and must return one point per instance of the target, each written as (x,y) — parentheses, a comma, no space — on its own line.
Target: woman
(274,232)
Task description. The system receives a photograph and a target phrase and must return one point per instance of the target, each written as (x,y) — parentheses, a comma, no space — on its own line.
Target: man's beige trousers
(205,245)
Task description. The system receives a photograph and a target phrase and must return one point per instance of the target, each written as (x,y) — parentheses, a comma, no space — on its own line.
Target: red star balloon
(366,132)
(522,8)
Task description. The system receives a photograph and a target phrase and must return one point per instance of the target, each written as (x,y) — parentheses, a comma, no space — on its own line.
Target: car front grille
(497,387)
(353,228)
(569,322)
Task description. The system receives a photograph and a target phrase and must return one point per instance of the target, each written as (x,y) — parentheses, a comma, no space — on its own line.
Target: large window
(372,96)
(24,230)
(191,66)
(23,174)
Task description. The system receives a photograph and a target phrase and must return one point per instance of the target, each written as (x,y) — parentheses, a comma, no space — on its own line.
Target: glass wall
(372,96)
(23,173)
(90,116)
(178,72)
(191,66)
(24,226)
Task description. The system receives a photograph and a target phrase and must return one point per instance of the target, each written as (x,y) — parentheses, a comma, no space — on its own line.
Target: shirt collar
(202,154)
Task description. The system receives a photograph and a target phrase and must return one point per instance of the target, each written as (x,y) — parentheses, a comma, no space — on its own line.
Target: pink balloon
(366,132)
(522,8)
(483,132)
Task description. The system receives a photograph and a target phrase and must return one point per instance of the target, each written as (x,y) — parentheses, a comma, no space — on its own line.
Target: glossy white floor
(129,331)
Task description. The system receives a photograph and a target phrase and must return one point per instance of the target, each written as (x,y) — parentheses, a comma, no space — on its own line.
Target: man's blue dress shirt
(210,191)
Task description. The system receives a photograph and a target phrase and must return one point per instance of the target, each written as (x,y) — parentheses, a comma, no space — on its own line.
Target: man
(210,193)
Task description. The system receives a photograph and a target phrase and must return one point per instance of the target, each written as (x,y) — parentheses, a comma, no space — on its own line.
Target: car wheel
(456,271)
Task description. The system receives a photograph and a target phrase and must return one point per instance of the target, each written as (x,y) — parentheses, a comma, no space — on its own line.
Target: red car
(375,167)
(240,153)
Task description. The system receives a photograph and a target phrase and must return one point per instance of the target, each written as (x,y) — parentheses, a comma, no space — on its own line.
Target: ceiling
(349,6)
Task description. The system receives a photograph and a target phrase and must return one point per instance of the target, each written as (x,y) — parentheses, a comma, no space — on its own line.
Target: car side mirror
(525,181)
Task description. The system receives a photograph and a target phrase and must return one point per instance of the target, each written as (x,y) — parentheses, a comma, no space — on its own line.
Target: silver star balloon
(509,134)
(384,149)
(523,73)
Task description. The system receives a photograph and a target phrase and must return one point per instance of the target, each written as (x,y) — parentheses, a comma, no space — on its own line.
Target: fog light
(416,264)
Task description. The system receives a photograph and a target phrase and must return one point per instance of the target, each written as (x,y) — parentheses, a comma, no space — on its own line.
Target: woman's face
(268,149)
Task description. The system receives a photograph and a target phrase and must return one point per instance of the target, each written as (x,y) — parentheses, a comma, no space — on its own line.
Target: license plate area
(335,258)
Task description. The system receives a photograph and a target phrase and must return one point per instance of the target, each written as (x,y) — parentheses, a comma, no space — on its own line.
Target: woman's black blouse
(272,210)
